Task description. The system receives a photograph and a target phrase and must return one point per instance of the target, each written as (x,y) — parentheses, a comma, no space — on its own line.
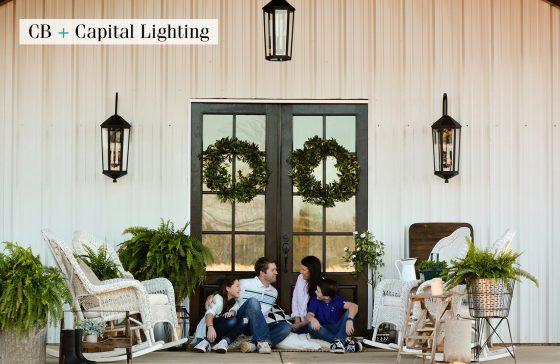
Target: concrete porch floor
(525,355)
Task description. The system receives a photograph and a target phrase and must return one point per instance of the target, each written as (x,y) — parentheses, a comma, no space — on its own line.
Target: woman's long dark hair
(314,265)
(225,283)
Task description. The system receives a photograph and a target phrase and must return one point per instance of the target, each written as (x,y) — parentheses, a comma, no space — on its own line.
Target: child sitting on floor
(332,319)
(219,323)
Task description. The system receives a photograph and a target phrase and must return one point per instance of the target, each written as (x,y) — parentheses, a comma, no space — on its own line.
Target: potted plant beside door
(165,252)
(30,292)
(490,277)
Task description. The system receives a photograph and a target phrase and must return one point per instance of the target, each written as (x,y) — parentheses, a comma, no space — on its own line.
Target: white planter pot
(91,338)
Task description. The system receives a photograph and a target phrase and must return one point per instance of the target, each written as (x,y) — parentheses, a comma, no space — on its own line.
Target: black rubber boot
(68,342)
(79,354)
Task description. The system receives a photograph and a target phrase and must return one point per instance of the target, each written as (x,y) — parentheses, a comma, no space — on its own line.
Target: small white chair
(390,304)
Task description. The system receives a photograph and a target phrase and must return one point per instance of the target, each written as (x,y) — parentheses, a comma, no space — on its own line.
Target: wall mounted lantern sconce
(115,137)
(446,134)
(278,30)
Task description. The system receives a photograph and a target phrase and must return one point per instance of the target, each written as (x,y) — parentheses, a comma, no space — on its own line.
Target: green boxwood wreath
(305,160)
(218,178)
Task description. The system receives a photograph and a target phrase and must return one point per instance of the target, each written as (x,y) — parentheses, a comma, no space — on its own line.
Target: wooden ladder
(424,336)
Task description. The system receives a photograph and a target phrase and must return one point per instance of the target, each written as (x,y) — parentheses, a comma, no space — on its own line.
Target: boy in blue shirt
(331,318)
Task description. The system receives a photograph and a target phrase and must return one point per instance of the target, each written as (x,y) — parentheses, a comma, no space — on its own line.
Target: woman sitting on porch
(306,284)
(219,323)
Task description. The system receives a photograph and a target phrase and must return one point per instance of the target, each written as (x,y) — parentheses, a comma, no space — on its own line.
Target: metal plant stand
(490,299)
(482,324)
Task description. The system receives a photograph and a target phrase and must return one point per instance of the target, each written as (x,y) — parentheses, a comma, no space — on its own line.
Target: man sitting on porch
(255,302)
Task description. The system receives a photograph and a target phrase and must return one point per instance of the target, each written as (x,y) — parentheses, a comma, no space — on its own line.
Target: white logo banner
(118,31)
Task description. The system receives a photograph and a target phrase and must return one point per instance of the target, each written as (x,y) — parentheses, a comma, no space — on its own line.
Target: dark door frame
(275,224)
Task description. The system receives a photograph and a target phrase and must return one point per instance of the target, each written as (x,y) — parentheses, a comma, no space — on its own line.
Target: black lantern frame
(278,17)
(446,139)
(115,142)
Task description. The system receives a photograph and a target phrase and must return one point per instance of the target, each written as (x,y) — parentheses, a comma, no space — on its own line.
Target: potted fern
(490,277)
(30,292)
(99,262)
(164,252)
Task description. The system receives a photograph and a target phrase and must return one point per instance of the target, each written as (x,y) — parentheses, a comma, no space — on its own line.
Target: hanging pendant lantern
(115,137)
(446,140)
(278,30)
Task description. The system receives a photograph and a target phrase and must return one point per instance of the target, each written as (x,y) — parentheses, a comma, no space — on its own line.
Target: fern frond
(164,252)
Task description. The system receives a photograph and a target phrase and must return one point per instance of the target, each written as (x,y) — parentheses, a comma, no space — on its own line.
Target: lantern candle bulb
(437,287)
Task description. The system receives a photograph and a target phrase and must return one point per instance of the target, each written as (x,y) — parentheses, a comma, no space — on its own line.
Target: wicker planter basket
(490,297)
(30,349)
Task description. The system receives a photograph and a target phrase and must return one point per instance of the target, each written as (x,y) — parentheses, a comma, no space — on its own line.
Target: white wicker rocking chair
(106,301)
(162,294)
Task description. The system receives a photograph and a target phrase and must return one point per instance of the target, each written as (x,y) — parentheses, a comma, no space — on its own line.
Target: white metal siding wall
(499,62)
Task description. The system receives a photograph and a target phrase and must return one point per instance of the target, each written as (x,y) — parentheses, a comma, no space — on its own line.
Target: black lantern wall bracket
(278,18)
(446,139)
(115,138)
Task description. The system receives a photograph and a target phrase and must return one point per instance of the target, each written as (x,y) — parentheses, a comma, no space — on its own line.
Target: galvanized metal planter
(490,297)
(30,349)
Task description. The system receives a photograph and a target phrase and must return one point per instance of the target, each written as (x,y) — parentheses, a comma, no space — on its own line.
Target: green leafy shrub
(368,252)
(29,291)
(432,264)
(431,269)
(103,267)
(164,252)
(479,263)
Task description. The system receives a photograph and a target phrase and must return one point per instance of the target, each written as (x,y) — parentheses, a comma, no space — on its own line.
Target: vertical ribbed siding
(499,62)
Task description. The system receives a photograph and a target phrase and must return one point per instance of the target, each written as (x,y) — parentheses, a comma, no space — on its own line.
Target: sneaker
(359,346)
(350,346)
(264,347)
(337,347)
(202,347)
(247,347)
(221,347)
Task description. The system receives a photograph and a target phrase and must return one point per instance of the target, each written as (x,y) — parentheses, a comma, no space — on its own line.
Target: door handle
(285,250)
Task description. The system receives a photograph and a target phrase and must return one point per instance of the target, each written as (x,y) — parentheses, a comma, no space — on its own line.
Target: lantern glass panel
(105,148)
(125,149)
(447,149)
(280,31)
(437,150)
(268,33)
(115,149)
(457,148)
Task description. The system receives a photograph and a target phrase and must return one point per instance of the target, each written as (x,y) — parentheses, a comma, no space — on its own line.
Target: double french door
(278,224)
